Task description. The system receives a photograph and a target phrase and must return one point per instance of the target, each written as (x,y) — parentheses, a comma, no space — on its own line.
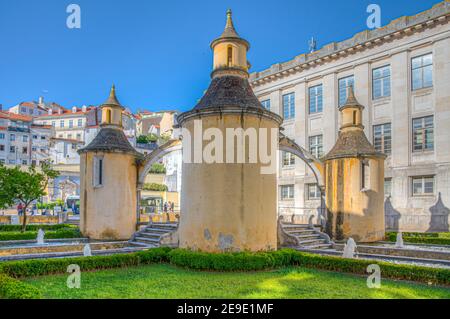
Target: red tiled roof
(15,117)
(3,128)
(69,112)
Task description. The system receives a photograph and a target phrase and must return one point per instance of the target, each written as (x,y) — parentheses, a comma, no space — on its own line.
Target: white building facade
(401,74)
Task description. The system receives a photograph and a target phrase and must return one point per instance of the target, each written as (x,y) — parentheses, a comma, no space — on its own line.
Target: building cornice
(404,26)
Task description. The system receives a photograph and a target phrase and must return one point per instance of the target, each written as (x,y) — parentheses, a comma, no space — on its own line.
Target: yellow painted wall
(228,206)
(109,211)
(361,213)
(239,56)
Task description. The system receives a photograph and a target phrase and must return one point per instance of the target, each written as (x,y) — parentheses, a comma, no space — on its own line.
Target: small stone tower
(354,180)
(227,205)
(108,179)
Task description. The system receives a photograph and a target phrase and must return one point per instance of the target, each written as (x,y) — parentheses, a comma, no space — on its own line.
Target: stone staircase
(153,234)
(306,236)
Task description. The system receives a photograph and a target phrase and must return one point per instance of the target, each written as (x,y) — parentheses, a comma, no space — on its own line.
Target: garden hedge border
(35,227)
(420,238)
(10,272)
(69,232)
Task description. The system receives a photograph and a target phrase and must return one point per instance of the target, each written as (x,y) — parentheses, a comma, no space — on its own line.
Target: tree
(24,186)
(142,139)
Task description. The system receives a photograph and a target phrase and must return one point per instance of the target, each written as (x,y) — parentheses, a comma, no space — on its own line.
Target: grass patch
(421,238)
(168,281)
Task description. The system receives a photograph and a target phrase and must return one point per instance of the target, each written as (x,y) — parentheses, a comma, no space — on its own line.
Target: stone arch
(287,145)
(316,166)
(154,156)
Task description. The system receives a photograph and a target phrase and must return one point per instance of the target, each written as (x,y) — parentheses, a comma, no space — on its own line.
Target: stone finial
(351,99)
(112,99)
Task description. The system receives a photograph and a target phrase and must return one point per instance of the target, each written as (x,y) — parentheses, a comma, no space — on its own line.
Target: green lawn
(166,281)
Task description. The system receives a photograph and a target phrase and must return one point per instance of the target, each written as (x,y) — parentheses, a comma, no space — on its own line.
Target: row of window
(13,162)
(422,133)
(12,137)
(421,77)
(420,186)
(69,136)
(12,149)
(62,123)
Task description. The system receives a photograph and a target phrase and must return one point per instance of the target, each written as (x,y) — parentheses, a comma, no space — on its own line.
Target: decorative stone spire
(351,99)
(230,51)
(112,99)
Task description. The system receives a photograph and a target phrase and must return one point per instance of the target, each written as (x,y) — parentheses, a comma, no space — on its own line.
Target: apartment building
(401,74)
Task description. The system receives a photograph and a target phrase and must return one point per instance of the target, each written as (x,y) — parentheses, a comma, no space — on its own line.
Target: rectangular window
(12,137)
(69,136)
(423,134)
(25,138)
(24,150)
(289,106)
(266,104)
(53,123)
(61,123)
(43,137)
(288,159)
(387,187)
(316,146)
(2,161)
(312,191)
(381,82)
(98,171)
(382,138)
(315,99)
(365,175)
(12,162)
(423,185)
(79,136)
(12,149)
(34,149)
(287,192)
(80,122)
(422,71)
(344,83)
(35,137)
(2,136)
(70,123)
(24,162)
(2,148)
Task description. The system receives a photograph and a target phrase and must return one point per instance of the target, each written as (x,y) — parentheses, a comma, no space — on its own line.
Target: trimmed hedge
(41,267)
(421,238)
(11,288)
(35,227)
(49,234)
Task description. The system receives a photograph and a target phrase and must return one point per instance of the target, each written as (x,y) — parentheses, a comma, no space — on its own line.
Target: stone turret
(227,205)
(354,180)
(108,177)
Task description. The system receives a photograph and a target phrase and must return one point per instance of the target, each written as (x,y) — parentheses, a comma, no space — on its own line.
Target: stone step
(301,232)
(157,230)
(149,234)
(310,236)
(165,225)
(310,242)
(318,246)
(140,244)
(146,240)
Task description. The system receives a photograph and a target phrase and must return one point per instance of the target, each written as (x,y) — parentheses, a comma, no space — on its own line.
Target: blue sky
(157,52)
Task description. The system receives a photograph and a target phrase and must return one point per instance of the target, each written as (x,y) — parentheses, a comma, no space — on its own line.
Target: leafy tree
(142,139)
(24,186)
(157,168)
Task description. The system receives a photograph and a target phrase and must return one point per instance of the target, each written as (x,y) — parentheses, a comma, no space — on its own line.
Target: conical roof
(351,99)
(229,32)
(112,99)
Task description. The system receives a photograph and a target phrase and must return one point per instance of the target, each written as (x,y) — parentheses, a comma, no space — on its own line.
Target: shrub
(155,187)
(49,234)
(157,168)
(11,288)
(421,238)
(35,227)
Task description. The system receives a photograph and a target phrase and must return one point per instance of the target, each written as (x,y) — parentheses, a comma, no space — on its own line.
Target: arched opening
(230,55)
(108,116)
(317,188)
(158,199)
